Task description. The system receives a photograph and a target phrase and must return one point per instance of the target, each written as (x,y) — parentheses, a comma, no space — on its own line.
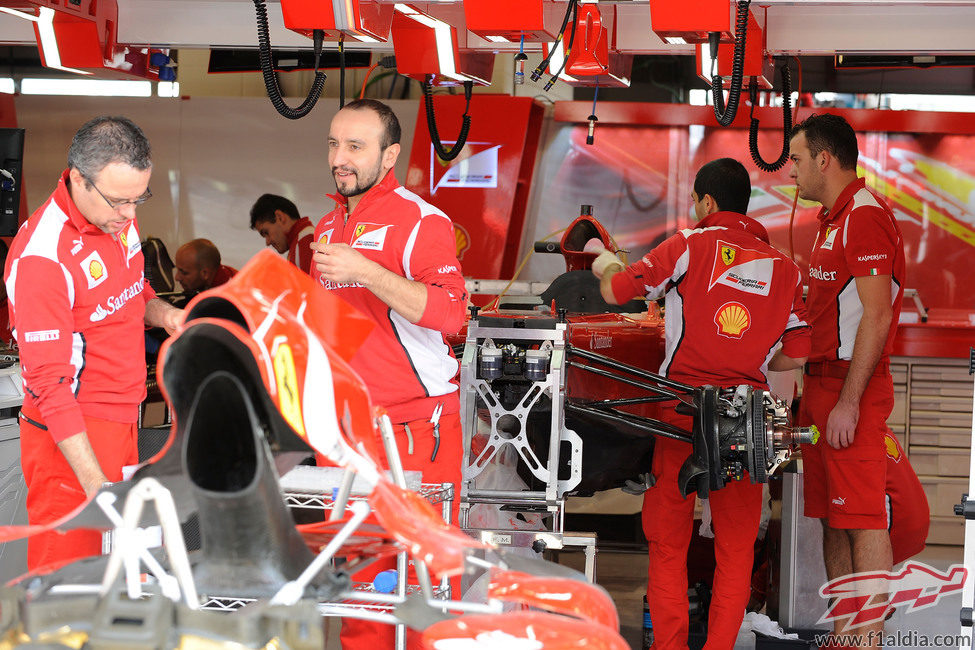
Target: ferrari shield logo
(370,236)
(743,269)
(728,255)
(830,238)
(287,382)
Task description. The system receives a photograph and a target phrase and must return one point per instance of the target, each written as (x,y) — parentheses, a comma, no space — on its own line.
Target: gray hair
(105,140)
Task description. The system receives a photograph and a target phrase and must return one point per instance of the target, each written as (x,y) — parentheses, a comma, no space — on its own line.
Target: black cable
(591,136)
(455,150)
(786,124)
(342,71)
(634,201)
(267,69)
(726,116)
(540,69)
(568,50)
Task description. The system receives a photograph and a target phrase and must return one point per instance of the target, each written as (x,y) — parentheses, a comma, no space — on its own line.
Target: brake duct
(735,429)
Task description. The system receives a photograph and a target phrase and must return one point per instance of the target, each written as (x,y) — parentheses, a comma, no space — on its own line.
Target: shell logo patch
(728,255)
(326,236)
(733,320)
(462,240)
(289,399)
(94,269)
(370,236)
(892,448)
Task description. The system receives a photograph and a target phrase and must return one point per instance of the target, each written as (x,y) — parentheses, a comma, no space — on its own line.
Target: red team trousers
(53,490)
(446,468)
(668,521)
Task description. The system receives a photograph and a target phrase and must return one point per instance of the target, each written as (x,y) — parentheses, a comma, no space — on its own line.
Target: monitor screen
(11,171)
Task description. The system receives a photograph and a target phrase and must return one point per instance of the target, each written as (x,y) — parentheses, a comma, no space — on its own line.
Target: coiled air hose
(271,80)
(454,151)
(726,116)
(786,123)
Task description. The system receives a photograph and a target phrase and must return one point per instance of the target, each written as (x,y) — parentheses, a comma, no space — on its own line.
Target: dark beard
(355,191)
(358,188)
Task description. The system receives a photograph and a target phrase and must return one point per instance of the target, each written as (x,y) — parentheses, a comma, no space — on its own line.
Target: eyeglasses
(119,203)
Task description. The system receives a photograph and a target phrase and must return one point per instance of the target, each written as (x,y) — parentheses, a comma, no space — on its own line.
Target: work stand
(509,375)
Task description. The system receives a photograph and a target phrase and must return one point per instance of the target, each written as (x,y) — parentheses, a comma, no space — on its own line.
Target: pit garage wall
(639,174)
(215,156)
(212,158)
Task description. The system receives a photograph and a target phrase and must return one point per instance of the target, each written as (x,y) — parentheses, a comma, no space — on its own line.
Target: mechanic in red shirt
(276,219)
(79,303)
(733,312)
(856,284)
(392,255)
(198,267)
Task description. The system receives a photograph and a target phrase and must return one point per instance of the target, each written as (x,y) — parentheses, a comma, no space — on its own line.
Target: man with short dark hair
(198,267)
(393,256)
(856,284)
(276,219)
(731,300)
(79,304)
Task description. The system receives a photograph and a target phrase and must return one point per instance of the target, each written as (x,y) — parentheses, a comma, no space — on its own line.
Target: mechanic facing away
(730,300)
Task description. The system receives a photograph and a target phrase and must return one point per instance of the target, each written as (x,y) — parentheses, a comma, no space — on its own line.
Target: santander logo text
(818,273)
(115,303)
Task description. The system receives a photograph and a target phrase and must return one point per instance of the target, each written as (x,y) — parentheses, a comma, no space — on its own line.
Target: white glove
(603,261)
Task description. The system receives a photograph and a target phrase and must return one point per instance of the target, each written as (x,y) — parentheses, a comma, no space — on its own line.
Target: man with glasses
(78,302)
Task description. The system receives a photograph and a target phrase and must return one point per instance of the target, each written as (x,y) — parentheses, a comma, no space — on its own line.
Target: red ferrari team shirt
(731,298)
(408,368)
(300,237)
(77,300)
(860,238)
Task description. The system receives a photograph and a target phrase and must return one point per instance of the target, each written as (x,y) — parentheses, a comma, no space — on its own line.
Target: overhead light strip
(344,13)
(19,14)
(442,34)
(86,87)
(49,41)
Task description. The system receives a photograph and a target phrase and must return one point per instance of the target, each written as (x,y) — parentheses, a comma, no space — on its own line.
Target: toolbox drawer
(940,462)
(961,405)
(935,436)
(947,530)
(943,494)
(952,370)
(943,388)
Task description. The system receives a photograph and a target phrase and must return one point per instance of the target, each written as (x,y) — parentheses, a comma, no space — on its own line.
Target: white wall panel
(212,158)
